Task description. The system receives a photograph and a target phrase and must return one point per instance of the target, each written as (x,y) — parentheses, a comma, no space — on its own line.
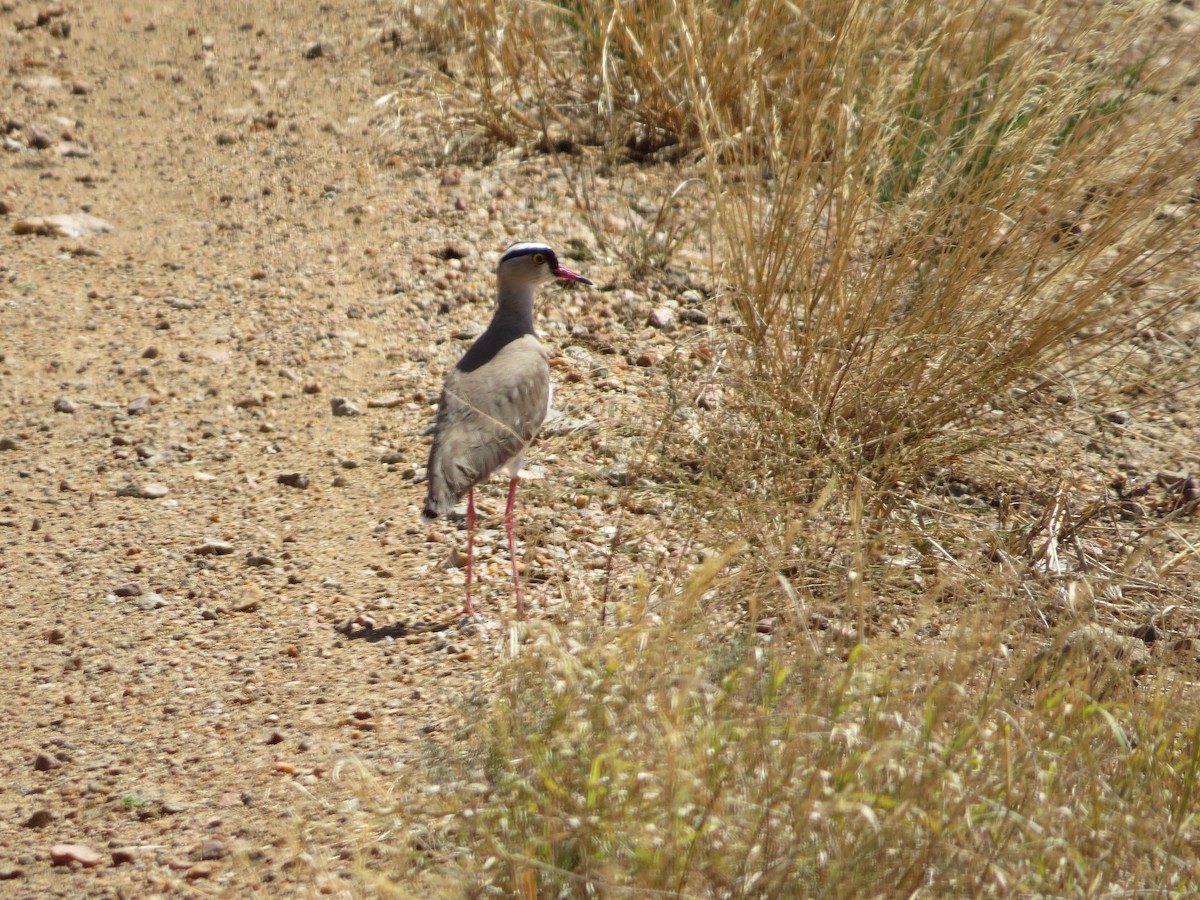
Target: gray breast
(486,417)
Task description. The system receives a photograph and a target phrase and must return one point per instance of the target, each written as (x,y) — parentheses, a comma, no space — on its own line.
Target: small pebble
(38,139)
(200,870)
(662,318)
(44,762)
(246,604)
(63,405)
(139,406)
(618,476)
(68,852)
(213,547)
(385,402)
(1191,489)
(1146,633)
(150,602)
(144,491)
(211,849)
(129,589)
(709,398)
(72,150)
(293,479)
(343,407)
(40,818)
(315,50)
(68,225)
(453,560)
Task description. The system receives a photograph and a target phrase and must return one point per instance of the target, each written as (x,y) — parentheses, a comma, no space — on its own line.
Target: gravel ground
(216,602)
(213,587)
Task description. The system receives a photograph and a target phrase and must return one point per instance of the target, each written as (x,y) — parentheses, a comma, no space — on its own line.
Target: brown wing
(485,418)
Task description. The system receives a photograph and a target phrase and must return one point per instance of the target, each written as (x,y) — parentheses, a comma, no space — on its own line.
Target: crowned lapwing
(495,400)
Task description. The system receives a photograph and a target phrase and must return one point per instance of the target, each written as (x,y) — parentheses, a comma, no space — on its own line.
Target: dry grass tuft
(977,195)
(927,218)
(672,757)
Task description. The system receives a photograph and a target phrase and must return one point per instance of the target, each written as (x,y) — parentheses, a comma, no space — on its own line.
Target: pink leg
(512,544)
(467,609)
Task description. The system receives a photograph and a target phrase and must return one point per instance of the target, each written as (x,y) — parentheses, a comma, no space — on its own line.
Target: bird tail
(438,504)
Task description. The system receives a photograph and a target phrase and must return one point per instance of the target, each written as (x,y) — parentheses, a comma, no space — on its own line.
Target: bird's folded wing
(481,425)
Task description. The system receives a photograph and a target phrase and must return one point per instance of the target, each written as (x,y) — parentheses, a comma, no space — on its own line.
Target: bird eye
(539,259)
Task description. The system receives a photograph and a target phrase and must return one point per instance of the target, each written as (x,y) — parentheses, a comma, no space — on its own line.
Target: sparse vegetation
(929,222)
(658,760)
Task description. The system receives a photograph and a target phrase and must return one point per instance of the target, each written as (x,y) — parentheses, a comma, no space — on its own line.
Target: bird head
(529,262)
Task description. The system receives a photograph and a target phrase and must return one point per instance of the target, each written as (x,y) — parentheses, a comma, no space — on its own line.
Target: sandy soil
(215,600)
(192,645)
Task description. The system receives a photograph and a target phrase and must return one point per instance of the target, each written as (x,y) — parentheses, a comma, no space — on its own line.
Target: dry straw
(921,210)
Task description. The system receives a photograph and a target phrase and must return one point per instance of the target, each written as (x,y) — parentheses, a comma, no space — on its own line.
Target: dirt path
(177,689)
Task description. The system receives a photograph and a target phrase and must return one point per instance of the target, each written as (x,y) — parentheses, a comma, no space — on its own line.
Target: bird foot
(469,613)
(469,616)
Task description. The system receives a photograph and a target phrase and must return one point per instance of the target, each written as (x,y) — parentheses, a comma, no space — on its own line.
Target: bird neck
(514,309)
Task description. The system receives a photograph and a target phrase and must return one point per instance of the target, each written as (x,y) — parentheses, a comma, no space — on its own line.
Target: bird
(494,400)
